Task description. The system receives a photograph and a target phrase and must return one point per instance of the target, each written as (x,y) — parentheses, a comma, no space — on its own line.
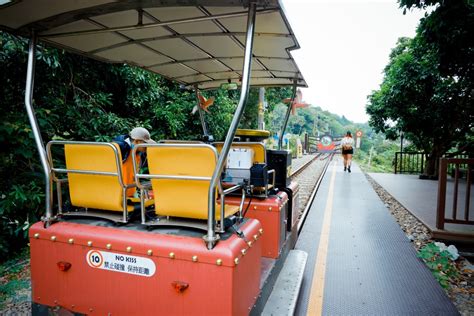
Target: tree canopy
(427,92)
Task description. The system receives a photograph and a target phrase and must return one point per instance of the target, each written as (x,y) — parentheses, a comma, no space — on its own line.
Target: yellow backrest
(178,197)
(258,149)
(94,191)
(174,141)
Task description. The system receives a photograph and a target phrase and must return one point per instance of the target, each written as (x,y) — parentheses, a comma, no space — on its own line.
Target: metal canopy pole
(211,238)
(30,76)
(201,113)
(287,116)
(157,24)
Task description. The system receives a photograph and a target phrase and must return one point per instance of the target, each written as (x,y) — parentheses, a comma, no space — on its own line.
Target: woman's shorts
(348,151)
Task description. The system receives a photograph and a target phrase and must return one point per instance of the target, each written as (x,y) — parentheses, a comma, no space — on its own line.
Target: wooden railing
(409,162)
(463,168)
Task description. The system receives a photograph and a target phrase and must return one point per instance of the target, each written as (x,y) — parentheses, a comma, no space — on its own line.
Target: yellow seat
(103,192)
(252,133)
(175,141)
(183,197)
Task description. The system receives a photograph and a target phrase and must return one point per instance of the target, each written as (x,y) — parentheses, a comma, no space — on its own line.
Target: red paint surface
(296,207)
(228,289)
(322,148)
(271,219)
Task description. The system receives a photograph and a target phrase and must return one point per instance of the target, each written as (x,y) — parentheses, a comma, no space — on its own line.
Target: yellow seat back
(94,191)
(258,149)
(179,197)
(175,141)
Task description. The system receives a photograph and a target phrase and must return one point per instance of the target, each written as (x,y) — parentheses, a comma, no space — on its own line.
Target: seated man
(138,135)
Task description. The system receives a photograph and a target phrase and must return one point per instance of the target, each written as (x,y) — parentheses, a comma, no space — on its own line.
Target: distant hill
(314,121)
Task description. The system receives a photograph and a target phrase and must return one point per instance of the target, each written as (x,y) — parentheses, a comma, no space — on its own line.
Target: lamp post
(401,141)
(401,151)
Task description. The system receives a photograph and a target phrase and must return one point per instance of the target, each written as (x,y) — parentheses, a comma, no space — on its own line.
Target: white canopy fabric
(196,43)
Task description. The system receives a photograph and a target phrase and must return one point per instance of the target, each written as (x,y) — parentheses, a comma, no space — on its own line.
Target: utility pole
(401,151)
(370,156)
(261,102)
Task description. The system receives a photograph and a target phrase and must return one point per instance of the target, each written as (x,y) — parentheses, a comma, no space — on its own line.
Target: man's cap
(140,133)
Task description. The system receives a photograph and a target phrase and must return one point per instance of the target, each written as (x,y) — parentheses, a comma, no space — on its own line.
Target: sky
(345,45)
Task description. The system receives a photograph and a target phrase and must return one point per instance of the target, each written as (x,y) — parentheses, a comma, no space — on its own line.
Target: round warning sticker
(94,258)
(117,262)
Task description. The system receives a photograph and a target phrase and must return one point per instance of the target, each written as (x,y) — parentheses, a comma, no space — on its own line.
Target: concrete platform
(359,260)
(419,197)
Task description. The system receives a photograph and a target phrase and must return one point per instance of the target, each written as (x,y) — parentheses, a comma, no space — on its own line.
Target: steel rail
(313,193)
(306,164)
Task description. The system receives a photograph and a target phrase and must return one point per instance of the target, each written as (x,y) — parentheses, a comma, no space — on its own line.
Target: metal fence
(312,144)
(463,169)
(409,162)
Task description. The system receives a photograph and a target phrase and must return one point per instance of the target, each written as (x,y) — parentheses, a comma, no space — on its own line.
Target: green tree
(450,31)
(432,107)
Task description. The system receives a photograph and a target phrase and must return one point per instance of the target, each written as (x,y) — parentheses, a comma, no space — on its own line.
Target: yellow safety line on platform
(315,305)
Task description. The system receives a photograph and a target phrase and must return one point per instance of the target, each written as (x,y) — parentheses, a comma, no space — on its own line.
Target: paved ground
(420,198)
(359,260)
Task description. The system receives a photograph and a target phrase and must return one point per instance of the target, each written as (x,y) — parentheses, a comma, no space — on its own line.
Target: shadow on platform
(419,197)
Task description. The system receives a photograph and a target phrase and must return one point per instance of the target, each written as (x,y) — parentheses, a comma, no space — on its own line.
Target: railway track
(309,176)
(300,168)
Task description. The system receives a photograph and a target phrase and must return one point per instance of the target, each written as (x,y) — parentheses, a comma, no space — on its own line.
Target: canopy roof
(189,41)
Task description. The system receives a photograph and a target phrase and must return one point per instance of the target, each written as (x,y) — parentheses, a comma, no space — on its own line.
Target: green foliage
(293,143)
(428,84)
(424,96)
(440,264)
(449,29)
(311,120)
(273,96)
(377,153)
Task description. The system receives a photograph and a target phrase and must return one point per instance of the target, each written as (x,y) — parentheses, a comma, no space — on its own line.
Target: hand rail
(442,185)
(29,86)
(211,238)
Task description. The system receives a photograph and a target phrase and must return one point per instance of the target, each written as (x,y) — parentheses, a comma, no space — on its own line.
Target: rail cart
(218,236)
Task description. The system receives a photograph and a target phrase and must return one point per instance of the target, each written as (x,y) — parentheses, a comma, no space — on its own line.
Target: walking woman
(347,144)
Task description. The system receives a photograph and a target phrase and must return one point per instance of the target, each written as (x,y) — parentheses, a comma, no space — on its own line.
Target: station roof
(192,42)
